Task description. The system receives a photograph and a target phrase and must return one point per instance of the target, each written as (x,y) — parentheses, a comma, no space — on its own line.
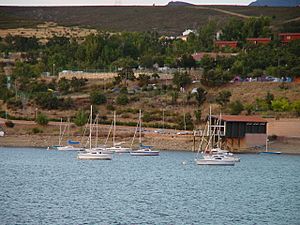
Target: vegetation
(9,124)
(97,98)
(81,118)
(42,119)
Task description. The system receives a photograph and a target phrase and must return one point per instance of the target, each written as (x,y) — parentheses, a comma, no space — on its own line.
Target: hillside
(164,19)
(276,3)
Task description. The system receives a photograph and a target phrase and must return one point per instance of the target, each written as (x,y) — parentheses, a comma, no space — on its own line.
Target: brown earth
(22,135)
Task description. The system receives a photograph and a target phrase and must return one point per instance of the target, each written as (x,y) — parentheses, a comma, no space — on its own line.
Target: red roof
(290,34)
(233,118)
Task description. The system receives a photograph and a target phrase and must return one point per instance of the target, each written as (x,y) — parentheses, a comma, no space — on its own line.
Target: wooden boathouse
(241,132)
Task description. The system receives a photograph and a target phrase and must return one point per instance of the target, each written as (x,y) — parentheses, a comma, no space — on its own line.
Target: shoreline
(163,143)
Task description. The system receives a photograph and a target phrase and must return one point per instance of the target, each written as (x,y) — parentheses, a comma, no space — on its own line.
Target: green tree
(236,107)
(281,105)
(81,118)
(200,96)
(42,119)
(269,98)
(198,114)
(296,107)
(122,99)
(181,79)
(143,80)
(223,98)
(97,98)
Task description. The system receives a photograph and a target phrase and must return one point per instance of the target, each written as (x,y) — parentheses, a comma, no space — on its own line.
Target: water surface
(50,187)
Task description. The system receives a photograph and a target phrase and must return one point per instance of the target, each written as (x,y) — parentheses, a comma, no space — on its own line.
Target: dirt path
(223,11)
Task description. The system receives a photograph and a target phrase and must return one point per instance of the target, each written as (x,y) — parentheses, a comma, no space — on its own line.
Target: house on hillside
(256,41)
(288,37)
(223,44)
(242,132)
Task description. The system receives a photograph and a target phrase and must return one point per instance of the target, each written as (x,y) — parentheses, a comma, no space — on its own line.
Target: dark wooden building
(242,131)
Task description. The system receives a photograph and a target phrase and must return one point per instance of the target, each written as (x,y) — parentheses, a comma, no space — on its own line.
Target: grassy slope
(169,20)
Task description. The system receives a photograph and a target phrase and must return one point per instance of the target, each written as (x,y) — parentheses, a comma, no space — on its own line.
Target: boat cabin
(242,132)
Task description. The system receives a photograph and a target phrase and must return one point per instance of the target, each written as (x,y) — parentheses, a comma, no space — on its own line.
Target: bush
(98,98)
(236,107)
(281,105)
(80,118)
(14,103)
(223,98)
(296,107)
(9,124)
(122,99)
(110,107)
(36,130)
(42,119)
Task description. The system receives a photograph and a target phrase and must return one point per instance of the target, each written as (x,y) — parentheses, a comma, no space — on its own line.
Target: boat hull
(215,162)
(272,153)
(90,156)
(144,153)
(69,148)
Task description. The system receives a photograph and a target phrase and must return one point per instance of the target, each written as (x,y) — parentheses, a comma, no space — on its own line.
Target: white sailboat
(117,147)
(68,147)
(142,150)
(90,153)
(211,155)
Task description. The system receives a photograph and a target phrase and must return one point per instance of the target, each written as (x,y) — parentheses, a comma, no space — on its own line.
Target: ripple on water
(48,187)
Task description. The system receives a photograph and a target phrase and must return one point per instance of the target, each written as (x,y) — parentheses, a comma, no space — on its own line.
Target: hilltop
(163,19)
(276,3)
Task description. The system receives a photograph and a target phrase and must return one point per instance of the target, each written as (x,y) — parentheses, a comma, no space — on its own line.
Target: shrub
(9,124)
(98,98)
(42,119)
(296,107)
(80,118)
(236,107)
(110,107)
(281,105)
(122,99)
(36,130)
(223,98)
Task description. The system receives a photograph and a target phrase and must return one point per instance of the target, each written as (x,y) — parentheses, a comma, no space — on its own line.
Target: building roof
(291,34)
(233,118)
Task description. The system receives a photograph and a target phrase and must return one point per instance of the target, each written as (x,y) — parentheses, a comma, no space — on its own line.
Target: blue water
(49,187)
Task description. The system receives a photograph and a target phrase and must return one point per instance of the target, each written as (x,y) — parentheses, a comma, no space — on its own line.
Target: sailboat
(117,147)
(267,150)
(90,153)
(211,155)
(70,146)
(142,150)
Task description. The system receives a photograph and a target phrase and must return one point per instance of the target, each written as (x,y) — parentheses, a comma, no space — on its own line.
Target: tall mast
(114,133)
(210,123)
(90,137)
(59,139)
(97,132)
(140,119)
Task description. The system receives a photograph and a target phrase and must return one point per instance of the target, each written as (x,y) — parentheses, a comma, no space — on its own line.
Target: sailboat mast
(60,130)
(114,133)
(140,119)
(210,122)
(90,137)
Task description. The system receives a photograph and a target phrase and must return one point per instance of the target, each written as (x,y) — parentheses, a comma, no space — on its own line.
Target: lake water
(50,187)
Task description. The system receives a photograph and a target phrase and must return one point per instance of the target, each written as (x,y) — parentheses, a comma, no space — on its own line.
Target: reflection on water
(50,187)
